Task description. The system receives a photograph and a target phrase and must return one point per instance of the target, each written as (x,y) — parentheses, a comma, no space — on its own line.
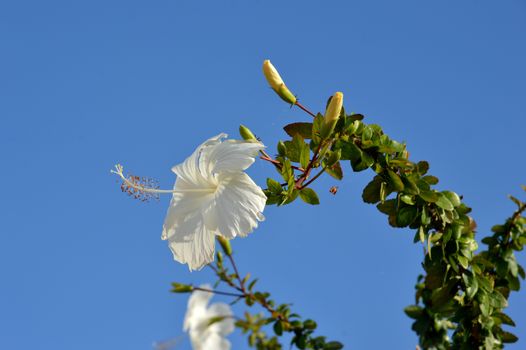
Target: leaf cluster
(307,151)
(460,290)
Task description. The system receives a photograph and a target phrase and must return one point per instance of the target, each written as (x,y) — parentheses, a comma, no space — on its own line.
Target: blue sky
(84,85)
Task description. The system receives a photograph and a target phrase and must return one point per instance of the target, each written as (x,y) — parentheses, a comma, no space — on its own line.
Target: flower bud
(276,83)
(246,134)
(332,114)
(334,108)
(225,245)
(181,288)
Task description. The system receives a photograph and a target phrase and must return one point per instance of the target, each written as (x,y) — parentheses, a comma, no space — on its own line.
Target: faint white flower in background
(203,335)
(212,196)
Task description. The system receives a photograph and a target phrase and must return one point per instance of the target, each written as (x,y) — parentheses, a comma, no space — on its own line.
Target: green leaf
(333,345)
(442,298)
(371,192)
(424,217)
(410,186)
(498,300)
(252,284)
(395,181)
(302,129)
(498,228)
(471,284)
(335,171)
(463,261)
(452,197)
(333,157)
(444,203)
(346,149)
(367,133)
(271,200)
(515,200)
(406,216)
(290,197)
(388,207)
(304,155)
(354,116)
(301,341)
(421,234)
(430,179)
(278,327)
(294,148)
(309,324)
(407,199)
(429,196)
(505,319)
(309,196)
(422,167)
(508,337)
(359,160)
(317,125)
(413,311)
(274,186)
(351,126)
(282,149)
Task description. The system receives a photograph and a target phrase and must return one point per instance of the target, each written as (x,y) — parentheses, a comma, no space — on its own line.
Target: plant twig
(219,292)
(305,109)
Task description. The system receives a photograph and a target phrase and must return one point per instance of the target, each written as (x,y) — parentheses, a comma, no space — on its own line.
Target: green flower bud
(181,288)
(276,83)
(225,245)
(246,134)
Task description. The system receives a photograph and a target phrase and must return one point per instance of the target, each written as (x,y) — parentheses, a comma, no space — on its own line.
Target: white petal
(225,326)
(197,308)
(190,169)
(195,249)
(181,217)
(216,342)
(237,207)
(230,155)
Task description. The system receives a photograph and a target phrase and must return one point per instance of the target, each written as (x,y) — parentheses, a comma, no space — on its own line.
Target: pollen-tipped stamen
(144,188)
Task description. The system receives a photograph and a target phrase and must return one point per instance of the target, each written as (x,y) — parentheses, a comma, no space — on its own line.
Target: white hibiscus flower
(203,335)
(212,196)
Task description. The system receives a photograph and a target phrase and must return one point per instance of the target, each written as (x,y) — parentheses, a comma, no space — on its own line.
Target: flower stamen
(145,188)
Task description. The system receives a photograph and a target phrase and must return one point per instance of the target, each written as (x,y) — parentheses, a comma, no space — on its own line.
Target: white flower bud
(276,83)
(335,107)
(332,114)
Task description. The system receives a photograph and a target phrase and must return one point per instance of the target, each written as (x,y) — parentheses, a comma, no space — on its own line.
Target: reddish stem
(305,109)
(273,161)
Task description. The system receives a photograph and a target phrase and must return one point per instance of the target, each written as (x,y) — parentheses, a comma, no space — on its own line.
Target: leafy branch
(461,292)
(280,316)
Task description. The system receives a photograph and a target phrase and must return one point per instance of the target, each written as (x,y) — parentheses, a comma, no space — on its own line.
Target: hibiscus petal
(230,155)
(225,326)
(197,307)
(195,249)
(180,218)
(237,206)
(189,170)
(212,341)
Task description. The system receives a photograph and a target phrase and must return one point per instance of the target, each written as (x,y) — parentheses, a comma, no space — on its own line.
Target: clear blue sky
(84,85)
